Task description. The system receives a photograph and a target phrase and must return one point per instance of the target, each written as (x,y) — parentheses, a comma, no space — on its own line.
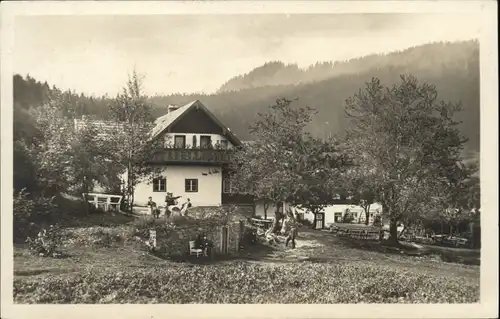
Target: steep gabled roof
(164,122)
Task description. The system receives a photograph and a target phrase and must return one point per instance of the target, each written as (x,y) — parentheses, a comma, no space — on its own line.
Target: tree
(410,147)
(52,155)
(361,188)
(287,164)
(94,162)
(131,140)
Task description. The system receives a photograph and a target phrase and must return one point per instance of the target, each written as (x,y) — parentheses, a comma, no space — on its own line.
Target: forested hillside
(452,67)
(431,58)
(454,72)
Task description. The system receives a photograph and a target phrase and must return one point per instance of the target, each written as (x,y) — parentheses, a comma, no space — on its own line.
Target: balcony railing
(184,155)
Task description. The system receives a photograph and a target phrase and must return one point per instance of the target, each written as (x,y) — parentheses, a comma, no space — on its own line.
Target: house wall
(169,139)
(259,209)
(209,185)
(358,212)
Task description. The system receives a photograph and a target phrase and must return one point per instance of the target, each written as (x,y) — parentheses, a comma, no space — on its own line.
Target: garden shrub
(96,236)
(30,212)
(46,243)
(248,236)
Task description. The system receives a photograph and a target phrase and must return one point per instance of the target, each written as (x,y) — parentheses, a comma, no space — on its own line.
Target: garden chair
(193,250)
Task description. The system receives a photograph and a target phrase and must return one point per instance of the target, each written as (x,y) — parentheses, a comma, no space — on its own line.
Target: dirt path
(319,247)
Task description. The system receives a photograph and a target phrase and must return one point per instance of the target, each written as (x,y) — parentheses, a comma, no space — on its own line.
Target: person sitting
(207,246)
(198,242)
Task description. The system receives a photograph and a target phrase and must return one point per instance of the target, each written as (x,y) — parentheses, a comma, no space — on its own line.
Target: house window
(191,186)
(180,141)
(195,142)
(338,217)
(205,141)
(223,144)
(159,184)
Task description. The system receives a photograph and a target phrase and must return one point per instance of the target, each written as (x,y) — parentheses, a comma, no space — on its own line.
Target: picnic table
(364,233)
(262,223)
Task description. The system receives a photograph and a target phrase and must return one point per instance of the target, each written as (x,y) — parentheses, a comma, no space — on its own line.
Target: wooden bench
(106,202)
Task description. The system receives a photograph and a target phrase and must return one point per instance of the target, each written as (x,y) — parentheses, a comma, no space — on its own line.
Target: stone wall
(176,241)
(173,237)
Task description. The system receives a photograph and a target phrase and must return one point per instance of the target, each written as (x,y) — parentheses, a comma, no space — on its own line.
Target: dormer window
(205,141)
(180,141)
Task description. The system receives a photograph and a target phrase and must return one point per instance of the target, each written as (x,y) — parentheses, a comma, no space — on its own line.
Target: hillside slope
(431,58)
(453,68)
(457,79)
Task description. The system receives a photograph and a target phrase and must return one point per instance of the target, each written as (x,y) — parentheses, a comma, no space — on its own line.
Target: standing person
(169,201)
(153,209)
(292,229)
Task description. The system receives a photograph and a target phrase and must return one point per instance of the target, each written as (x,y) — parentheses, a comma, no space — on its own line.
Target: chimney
(172,107)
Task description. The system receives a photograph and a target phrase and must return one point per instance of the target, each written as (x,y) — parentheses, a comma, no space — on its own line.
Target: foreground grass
(244,282)
(323,269)
(127,275)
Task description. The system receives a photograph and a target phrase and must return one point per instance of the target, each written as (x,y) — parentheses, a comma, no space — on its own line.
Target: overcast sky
(197,53)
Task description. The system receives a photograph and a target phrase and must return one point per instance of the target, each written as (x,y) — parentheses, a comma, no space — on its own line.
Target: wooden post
(152,238)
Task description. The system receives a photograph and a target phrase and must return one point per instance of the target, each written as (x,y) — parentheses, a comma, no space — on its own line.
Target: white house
(193,160)
(331,214)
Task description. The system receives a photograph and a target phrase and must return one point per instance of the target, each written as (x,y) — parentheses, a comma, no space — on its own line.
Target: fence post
(224,240)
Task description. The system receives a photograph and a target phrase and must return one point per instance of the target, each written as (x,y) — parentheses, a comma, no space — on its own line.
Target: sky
(198,53)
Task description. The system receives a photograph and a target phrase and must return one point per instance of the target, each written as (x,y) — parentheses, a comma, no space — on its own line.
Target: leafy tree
(360,187)
(286,163)
(94,162)
(52,155)
(131,140)
(410,147)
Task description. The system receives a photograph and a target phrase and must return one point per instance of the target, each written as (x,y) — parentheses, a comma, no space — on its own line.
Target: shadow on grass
(450,255)
(253,253)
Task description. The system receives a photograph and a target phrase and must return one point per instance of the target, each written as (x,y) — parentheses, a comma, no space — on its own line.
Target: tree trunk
(367,215)
(393,232)
(277,218)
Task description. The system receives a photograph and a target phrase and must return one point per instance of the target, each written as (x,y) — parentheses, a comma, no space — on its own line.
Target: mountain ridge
(452,67)
(275,73)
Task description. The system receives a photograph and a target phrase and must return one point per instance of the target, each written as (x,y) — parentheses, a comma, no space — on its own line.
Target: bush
(46,243)
(249,236)
(29,212)
(96,236)
(249,283)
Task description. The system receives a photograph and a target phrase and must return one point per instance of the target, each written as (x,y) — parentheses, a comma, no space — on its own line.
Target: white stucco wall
(209,186)
(329,212)
(259,209)
(169,139)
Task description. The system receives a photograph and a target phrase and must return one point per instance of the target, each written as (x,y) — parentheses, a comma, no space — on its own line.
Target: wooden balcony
(193,156)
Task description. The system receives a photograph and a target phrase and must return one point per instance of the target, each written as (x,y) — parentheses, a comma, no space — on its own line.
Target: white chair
(193,250)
